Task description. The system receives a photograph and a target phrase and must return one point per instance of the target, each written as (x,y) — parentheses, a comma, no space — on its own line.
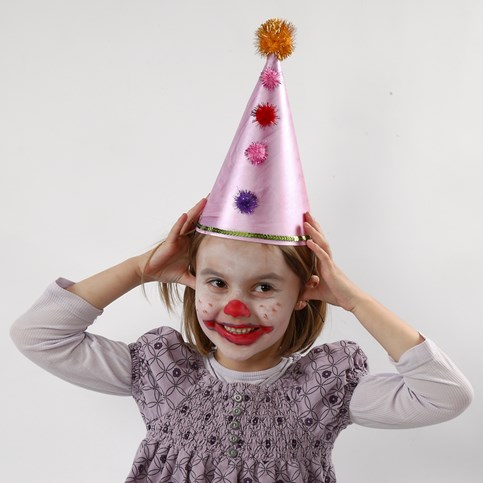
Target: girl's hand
(168,262)
(334,287)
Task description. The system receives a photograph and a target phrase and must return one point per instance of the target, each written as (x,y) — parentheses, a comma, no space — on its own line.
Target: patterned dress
(200,429)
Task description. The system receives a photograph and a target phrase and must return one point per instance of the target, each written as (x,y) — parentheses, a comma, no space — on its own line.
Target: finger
(193,215)
(197,209)
(325,261)
(320,253)
(309,217)
(318,237)
(175,231)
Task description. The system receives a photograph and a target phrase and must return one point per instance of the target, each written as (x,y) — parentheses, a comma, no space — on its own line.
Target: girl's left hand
(334,286)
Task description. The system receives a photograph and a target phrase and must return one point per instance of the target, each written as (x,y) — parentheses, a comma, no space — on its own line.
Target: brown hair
(305,324)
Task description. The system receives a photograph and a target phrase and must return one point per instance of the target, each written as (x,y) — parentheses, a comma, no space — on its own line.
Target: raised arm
(429,388)
(167,262)
(52,333)
(335,288)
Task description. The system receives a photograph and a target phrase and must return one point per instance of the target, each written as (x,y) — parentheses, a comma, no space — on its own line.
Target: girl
(239,403)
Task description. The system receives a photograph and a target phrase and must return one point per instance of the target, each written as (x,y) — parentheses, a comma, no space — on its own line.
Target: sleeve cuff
(58,294)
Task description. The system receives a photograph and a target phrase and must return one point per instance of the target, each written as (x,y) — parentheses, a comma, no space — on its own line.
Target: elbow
(23,336)
(18,336)
(457,401)
(463,397)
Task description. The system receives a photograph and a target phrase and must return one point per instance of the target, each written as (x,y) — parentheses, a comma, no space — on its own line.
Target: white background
(115,117)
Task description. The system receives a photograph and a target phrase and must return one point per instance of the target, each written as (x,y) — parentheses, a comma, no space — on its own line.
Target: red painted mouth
(256,331)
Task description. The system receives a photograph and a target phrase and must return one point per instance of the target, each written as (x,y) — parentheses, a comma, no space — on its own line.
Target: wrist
(359,302)
(139,263)
(133,269)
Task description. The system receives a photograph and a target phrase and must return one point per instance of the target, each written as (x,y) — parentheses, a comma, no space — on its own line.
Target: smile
(240,334)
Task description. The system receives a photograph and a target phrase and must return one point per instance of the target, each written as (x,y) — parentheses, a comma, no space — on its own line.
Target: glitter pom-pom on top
(270,79)
(257,153)
(265,114)
(276,37)
(246,202)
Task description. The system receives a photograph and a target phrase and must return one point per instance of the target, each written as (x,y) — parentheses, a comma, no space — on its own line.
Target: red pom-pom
(265,114)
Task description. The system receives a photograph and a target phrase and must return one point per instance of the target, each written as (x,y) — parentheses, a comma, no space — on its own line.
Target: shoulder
(162,339)
(341,358)
(164,343)
(164,335)
(324,380)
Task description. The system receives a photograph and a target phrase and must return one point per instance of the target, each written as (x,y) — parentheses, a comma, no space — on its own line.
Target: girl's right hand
(168,262)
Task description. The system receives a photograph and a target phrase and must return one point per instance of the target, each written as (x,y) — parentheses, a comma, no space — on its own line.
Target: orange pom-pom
(275,36)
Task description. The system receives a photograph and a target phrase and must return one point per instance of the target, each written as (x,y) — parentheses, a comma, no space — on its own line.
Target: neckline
(260,378)
(204,374)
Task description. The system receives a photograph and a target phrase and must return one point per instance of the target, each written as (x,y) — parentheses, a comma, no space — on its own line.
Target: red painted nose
(235,308)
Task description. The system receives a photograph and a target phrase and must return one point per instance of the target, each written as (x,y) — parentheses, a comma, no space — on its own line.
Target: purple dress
(200,429)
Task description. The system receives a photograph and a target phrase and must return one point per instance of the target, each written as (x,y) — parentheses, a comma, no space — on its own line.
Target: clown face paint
(245,296)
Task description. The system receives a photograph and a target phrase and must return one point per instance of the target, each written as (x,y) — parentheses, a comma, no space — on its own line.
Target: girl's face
(245,296)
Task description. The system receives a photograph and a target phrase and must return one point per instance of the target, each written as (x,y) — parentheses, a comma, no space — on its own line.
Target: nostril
(236,308)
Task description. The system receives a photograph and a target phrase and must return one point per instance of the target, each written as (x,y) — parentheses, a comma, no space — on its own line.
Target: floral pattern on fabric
(200,429)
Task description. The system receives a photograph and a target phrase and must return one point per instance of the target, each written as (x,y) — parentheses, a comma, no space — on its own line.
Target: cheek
(204,306)
(201,307)
(271,312)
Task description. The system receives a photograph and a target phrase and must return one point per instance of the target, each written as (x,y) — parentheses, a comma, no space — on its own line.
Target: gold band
(261,236)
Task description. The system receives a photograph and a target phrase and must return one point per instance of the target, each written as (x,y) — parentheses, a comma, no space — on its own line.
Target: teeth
(233,330)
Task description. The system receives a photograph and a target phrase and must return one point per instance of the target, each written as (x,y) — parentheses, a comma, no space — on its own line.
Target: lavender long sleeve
(427,389)
(52,333)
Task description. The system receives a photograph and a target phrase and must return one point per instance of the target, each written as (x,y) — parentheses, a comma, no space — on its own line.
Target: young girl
(239,402)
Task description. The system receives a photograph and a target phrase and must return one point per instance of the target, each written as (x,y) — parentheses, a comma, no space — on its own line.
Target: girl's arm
(395,335)
(168,262)
(429,388)
(52,333)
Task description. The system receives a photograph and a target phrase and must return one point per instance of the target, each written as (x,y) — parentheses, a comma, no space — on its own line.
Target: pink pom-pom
(270,79)
(257,153)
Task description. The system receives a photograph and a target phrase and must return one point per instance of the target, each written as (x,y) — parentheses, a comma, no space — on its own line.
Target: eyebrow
(263,276)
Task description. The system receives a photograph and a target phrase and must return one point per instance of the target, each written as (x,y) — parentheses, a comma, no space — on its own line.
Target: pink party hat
(260,194)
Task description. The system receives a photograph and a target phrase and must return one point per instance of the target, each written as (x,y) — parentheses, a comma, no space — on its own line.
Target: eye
(217,283)
(263,287)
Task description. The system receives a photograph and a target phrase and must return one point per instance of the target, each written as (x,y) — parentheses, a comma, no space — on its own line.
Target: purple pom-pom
(246,202)
(257,153)
(270,79)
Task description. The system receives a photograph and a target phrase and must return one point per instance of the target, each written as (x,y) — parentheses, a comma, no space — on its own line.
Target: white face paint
(245,296)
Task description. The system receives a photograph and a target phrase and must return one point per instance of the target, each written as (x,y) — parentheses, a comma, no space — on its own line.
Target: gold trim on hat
(261,236)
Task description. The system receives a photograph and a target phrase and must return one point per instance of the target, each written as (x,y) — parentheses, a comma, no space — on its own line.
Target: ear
(308,292)
(190,281)
(301,304)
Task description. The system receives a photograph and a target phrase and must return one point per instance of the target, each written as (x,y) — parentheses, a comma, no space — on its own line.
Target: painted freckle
(279,304)
(210,305)
(265,316)
(205,311)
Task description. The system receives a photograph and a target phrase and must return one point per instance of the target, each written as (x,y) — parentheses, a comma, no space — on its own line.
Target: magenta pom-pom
(257,153)
(270,79)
